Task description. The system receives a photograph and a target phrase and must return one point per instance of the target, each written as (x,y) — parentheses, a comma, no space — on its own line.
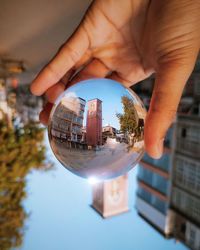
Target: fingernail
(160,148)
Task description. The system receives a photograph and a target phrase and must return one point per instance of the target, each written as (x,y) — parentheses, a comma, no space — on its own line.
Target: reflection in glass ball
(96,129)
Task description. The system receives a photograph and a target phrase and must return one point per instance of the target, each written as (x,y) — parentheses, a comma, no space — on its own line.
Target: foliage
(128,120)
(21,149)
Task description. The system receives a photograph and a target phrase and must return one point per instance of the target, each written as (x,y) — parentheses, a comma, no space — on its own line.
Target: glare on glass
(96,129)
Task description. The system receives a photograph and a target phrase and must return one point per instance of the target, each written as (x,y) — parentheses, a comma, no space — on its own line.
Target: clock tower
(111,197)
(94,123)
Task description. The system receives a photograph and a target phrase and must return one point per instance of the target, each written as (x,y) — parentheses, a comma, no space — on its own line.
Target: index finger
(67,56)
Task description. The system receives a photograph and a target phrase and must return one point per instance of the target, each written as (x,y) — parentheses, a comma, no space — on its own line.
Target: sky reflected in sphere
(96,129)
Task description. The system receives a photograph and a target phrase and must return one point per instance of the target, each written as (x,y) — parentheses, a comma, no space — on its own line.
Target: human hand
(127,41)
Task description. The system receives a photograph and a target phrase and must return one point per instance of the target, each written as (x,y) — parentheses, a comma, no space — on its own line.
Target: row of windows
(193,236)
(153,179)
(152,200)
(189,132)
(65,125)
(76,129)
(191,147)
(69,116)
(187,175)
(186,203)
(81,113)
(64,113)
(82,106)
(162,163)
(61,124)
(78,119)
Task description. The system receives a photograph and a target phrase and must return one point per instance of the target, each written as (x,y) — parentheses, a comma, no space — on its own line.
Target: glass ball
(96,129)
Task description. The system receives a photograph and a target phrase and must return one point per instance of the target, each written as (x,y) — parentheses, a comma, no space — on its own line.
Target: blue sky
(61,217)
(108,91)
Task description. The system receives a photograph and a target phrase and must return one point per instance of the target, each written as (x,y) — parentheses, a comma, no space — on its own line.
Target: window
(183,132)
(152,200)
(162,163)
(183,228)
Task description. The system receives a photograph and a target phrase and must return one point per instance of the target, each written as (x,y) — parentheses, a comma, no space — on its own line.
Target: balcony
(187,147)
(152,200)
(163,163)
(153,180)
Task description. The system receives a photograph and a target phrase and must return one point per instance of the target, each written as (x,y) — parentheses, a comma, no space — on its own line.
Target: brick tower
(94,123)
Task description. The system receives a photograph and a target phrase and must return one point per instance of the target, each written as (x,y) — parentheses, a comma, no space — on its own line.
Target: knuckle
(72,54)
(168,112)
(51,71)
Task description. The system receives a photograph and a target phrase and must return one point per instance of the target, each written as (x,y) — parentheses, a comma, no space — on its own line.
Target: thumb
(170,81)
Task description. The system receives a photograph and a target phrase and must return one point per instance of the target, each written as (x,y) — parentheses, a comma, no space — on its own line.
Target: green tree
(129,119)
(21,150)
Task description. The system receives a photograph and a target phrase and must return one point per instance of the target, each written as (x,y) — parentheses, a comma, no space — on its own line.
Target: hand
(128,40)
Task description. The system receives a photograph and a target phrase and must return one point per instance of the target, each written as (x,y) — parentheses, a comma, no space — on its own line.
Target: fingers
(69,54)
(114,76)
(168,88)
(54,91)
(94,69)
(44,114)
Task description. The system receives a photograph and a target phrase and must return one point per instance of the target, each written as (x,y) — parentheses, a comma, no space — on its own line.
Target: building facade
(168,188)
(154,187)
(67,123)
(28,106)
(154,178)
(7,111)
(185,197)
(94,123)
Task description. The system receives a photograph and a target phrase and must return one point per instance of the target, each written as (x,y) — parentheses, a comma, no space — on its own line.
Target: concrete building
(111,197)
(167,196)
(5,109)
(185,197)
(67,121)
(153,193)
(186,232)
(28,106)
(154,179)
(108,132)
(94,123)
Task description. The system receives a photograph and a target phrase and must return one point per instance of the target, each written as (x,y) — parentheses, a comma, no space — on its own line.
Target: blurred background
(43,206)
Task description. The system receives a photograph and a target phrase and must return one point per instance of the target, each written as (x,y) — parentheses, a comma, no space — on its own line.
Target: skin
(128,40)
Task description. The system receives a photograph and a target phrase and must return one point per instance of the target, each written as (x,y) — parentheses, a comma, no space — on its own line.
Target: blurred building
(67,122)
(111,197)
(154,187)
(154,178)
(185,198)
(94,123)
(168,189)
(187,232)
(3,100)
(28,106)
(108,131)
(7,104)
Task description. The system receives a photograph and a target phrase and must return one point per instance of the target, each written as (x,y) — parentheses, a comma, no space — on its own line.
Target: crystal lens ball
(96,129)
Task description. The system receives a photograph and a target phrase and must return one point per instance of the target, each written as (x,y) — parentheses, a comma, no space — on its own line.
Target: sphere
(96,129)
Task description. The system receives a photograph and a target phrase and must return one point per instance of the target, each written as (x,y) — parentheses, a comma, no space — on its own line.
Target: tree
(129,119)
(21,149)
